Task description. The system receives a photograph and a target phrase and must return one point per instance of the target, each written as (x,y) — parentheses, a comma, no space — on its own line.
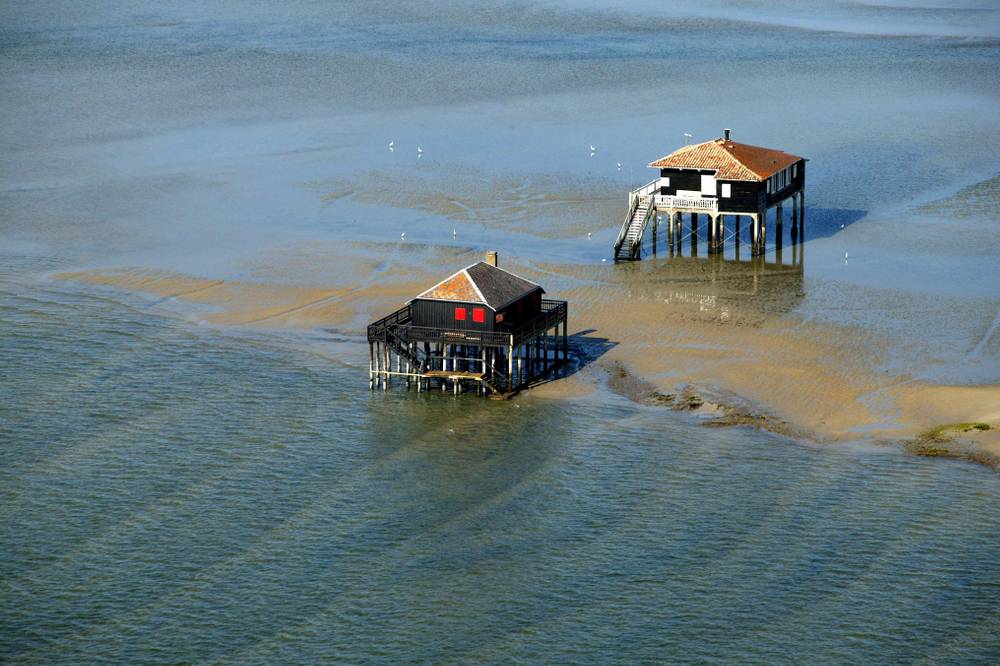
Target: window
(795,170)
(708,185)
(459,314)
(727,190)
(478,315)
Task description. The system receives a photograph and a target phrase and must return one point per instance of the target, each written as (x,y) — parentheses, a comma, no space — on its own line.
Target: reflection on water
(719,283)
(176,493)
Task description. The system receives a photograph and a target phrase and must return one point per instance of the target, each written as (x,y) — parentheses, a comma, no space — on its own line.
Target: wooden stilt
(714,235)
(565,341)
(386,365)
(545,350)
(763,235)
(537,368)
(694,234)
(671,235)
(736,237)
(779,219)
(802,216)
(510,365)
(795,217)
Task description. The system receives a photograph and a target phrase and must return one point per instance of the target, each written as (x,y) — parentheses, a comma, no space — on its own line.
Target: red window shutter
(459,314)
(478,315)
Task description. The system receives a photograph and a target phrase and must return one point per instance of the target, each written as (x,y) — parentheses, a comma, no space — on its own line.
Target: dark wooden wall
(745,196)
(796,184)
(682,179)
(522,311)
(441,314)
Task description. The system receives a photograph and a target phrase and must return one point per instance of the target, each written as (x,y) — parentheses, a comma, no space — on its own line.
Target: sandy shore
(688,338)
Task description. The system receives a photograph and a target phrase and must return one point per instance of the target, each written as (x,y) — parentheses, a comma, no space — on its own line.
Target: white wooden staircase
(630,237)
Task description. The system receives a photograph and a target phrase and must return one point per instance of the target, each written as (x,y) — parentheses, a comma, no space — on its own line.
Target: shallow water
(177,491)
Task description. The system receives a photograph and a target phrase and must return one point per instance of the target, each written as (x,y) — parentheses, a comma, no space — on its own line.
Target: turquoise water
(172,491)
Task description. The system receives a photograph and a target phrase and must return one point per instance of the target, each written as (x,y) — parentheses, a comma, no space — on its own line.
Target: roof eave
(515,300)
(449,300)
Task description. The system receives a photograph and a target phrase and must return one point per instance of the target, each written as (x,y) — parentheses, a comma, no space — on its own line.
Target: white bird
(403,235)
(454,233)
(619,166)
(420,151)
(392,146)
(845,256)
(588,234)
(603,259)
(841,226)
(592,149)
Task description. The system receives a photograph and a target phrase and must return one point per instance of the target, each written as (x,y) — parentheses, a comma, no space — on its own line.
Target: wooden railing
(633,204)
(397,325)
(634,197)
(553,312)
(692,203)
(376,330)
(649,188)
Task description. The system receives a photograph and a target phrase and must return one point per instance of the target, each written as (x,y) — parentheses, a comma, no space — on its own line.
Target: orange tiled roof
(730,160)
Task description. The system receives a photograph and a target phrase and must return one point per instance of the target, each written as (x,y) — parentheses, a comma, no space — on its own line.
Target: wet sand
(736,340)
(544,206)
(713,337)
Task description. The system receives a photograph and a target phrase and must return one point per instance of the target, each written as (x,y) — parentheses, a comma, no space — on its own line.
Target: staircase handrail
(633,204)
(634,198)
(648,188)
(400,316)
(642,229)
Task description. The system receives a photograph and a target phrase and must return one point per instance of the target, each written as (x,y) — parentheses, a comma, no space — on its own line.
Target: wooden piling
(694,234)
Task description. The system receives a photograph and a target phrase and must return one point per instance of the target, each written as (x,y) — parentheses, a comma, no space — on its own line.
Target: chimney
(727,131)
(491,258)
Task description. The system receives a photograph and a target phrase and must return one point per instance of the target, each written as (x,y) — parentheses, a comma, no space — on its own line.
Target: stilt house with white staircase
(717,178)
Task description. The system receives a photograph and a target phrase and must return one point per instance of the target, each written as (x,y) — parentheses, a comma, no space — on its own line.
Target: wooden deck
(498,362)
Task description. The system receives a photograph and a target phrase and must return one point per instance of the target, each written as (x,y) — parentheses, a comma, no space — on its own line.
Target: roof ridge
(472,281)
(519,277)
(730,160)
(721,149)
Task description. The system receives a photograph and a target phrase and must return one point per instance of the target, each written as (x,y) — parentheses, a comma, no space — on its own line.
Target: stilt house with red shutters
(482,327)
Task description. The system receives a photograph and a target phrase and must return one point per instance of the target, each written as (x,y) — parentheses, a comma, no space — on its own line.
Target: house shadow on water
(826,222)
(584,349)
